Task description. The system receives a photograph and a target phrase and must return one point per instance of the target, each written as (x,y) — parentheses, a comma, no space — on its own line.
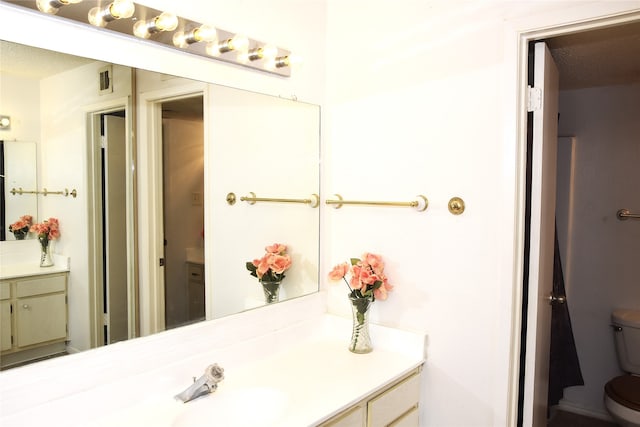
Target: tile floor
(569,419)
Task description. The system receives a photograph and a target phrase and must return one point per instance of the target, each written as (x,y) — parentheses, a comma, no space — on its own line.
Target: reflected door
(183,210)
(115,236)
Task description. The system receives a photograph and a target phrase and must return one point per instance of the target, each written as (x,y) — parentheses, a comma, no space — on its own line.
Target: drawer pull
(26,306)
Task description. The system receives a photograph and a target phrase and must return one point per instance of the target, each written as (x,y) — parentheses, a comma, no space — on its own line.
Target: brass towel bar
(45,192)
(420,204)
(313,202)
(624,214)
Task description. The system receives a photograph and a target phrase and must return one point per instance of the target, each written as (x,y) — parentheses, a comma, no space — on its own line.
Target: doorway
(112,263)
(596,332)
(183,210)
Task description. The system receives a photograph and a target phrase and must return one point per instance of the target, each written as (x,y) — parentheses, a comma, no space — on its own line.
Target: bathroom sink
(258,406)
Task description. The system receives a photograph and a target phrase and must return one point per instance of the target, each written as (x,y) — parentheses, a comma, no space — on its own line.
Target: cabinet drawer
(353,417)
(394,403)
(195,272)
(41,285)
(5,290)
(409,419)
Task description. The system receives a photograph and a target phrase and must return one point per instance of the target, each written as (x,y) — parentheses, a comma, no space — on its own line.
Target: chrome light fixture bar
(155,26)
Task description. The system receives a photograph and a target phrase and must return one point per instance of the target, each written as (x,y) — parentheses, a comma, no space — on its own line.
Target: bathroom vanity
(278,372)
(33,304)
(395,405)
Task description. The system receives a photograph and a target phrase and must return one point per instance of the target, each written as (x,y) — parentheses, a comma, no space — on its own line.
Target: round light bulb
(239,43)
(212,48)
(122,9)
(206,33)
(45,6)
(166,21)
(269,51)
(295,60)
(179,39)
(95,17)
(140,29)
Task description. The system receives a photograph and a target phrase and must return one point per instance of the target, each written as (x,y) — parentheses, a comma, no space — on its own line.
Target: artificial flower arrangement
(20,228)
(270,270)
(46,230)
(367,277)
(367,283)
(272,265)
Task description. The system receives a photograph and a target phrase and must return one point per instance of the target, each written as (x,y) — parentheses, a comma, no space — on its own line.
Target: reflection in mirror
(211,142)
(17,172)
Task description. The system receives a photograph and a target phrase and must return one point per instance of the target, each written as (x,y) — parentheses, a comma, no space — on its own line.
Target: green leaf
(252,268)
(354,261)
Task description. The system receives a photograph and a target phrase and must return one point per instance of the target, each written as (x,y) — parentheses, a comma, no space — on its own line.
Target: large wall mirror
(179,184)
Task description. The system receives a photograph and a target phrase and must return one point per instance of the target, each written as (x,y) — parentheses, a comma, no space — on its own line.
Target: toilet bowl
(622,400)
(622,393)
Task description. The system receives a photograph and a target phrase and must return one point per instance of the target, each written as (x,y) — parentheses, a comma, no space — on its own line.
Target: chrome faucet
(207,383)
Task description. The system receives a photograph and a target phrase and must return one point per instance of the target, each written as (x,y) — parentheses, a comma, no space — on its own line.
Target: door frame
(518,36)
(94,207)
(150,198)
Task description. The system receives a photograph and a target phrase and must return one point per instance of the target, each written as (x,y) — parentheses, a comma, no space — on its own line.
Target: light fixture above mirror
(166,28)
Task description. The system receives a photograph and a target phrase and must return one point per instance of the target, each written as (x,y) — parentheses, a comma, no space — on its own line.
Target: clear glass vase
(360,338)
(45,254)
(271,291)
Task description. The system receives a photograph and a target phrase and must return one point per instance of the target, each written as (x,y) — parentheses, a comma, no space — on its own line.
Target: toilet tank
(627,338)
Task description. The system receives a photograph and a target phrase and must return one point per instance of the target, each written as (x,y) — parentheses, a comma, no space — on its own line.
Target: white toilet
(622,394)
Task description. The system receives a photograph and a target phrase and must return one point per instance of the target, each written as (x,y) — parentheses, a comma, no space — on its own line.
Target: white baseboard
(581,410)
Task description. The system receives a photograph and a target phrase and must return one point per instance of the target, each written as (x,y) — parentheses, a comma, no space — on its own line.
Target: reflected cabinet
(34,316)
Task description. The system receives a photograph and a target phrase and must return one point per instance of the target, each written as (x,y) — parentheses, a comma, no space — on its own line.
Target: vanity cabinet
(5,316)
(396,405)
(195,290)
(34,311)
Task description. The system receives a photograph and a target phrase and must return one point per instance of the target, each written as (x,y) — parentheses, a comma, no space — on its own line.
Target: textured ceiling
(33,63)
(605,57)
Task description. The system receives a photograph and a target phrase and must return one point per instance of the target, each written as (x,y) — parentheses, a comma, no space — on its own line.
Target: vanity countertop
(13,271)
(298,376)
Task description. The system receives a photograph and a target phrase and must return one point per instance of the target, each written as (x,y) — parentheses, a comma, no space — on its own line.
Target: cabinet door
(353,417)
(5,325)
(392,404)
(41,319)
(410,419)
(195,282)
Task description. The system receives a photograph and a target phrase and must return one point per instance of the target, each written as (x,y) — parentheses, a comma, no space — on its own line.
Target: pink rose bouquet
(367,277)
(20,228)
(47,230)
(271,267)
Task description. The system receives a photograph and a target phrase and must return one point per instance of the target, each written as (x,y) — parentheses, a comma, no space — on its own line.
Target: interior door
(543,201)
(115,226)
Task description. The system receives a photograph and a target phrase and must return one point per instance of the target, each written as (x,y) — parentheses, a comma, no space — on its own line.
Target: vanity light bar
(155,26)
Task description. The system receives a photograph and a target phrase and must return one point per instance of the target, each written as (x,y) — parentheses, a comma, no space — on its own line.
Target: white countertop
(297,376)
(12,271)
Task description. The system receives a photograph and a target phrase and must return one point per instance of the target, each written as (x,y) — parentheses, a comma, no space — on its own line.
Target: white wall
(604,251)
(18,96)
(419,101)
